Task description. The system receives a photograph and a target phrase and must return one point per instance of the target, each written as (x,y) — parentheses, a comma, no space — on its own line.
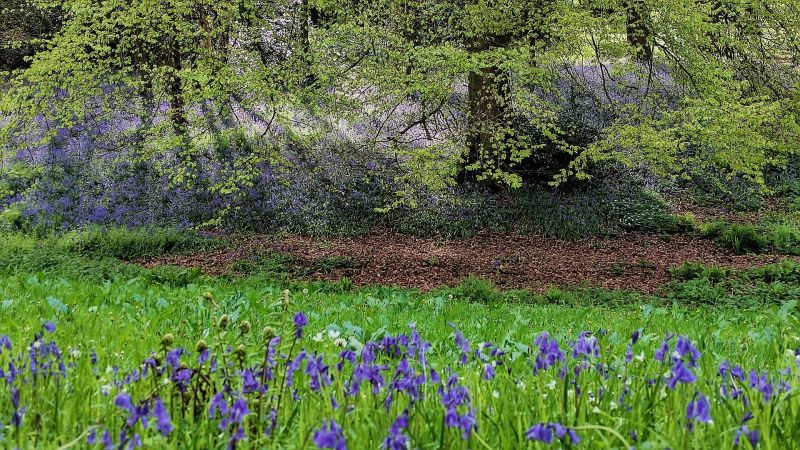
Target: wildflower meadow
(399,225)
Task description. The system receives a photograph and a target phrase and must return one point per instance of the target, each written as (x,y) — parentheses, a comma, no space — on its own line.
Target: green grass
(124,312)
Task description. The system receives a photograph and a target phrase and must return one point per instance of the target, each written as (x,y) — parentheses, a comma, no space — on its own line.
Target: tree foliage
(458,90)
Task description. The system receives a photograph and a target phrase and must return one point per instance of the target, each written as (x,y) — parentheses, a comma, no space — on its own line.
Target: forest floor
(634,261)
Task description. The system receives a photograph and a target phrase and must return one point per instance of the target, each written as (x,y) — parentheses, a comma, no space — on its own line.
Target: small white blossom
(317,337)
(333,334)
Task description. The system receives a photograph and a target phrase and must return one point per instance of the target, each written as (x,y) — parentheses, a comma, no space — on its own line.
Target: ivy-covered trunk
(488,104)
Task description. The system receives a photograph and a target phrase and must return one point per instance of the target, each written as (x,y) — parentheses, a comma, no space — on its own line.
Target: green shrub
(713,229)
(330,263)
(742,239)
(11,218)
(572,215)
(784,237)
(128,244)
(476,289)
(685,223)
(264,263)
(646,211)
(693,271)
(795,205)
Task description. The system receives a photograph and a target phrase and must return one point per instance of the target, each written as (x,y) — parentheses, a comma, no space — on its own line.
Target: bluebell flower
(549,353)
(249,382)
(19,412)
(684,347)
(698,410)
(544,432)
(203,356)
(50,327)
(462,343)
(106,441)
(489,372)
(762,383)
(163,422)
(5,342)
(586,346)
(635,337)
(345,356)
(330,435)
(680,374)
(218,405)
(396,439)
(752,436)
(317,372)
(293,367)
(300,322)
(663,349)
(173,357)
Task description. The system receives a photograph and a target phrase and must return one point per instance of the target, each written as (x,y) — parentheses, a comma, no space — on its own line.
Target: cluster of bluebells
(244,396)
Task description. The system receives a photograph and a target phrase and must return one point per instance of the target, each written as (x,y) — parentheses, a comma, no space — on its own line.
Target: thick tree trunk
(488,102)
(637,30)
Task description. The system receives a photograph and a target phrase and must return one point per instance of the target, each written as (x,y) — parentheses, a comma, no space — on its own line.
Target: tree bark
(637,29)
(488,102)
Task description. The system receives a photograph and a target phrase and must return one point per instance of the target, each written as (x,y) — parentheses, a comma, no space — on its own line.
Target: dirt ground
(632,261)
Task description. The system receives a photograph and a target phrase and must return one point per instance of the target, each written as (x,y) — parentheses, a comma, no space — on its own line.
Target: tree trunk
(488,102)
(637,30)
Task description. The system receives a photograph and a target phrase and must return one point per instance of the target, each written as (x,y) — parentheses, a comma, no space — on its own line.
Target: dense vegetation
(134,131)
(94,352)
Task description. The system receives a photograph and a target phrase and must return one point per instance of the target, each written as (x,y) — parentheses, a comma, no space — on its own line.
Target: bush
(646,211)
(694,271)
(476,289)
(269,263)
(125,244)
(784,237)
(742,239)
(565,215)
(713,229)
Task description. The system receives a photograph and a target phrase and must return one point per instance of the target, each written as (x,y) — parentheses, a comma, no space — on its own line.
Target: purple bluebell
(5,342)
(218,405)
(317,372)
(544,432)
(293,367)
(345,356)
(396,439)
(19,411)
(330,435)
(698,410)
(300,322)
(173,357)
(163,422)
(663,349)
(762,383)
(489,372)
(684,347)
(462,343)
(585,346)
(549,353)
(751,435)
(106,440)
(680,374)
(203,356)
(50,327)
